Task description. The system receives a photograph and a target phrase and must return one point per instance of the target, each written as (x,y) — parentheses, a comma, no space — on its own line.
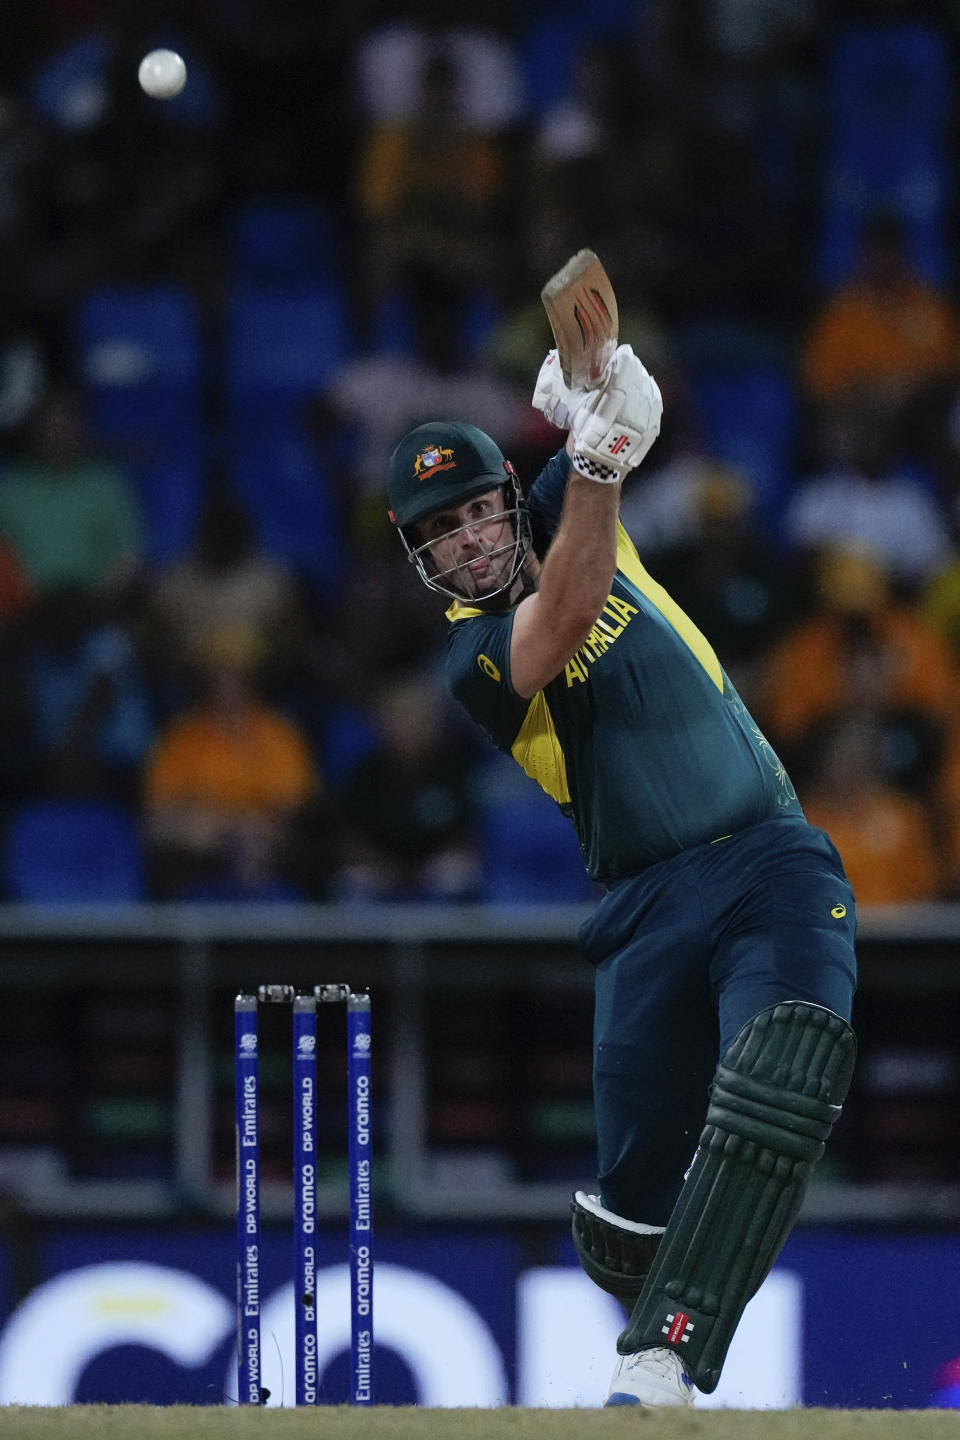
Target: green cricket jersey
(641,739)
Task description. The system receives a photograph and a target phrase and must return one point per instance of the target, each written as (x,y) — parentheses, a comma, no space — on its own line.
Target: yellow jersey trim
(457,611)
(630,564)
(538,751)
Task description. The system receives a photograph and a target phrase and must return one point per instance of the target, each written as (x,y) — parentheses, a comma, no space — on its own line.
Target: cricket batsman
(724,941)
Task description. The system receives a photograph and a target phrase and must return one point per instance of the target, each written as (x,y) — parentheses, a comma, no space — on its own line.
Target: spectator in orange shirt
(225,783)
(430,188)
(885,837)
(861,646)
(885,331)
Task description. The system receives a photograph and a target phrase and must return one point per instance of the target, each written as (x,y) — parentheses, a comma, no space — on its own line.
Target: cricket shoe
(654,1378)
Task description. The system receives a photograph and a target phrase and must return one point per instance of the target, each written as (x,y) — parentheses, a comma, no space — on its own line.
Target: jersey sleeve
(545,501)
(478,675)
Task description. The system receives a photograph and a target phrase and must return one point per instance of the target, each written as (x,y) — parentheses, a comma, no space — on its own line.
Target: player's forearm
(579,566)
(575,581)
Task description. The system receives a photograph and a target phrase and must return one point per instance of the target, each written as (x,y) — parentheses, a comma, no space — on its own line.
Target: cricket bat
(582,310)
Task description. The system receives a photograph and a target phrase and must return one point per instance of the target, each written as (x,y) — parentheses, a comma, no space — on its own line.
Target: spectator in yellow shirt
(886,335)
(885,836)
(225,783)
(861,645)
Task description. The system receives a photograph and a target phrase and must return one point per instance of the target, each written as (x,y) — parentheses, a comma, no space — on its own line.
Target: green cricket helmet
(439,466)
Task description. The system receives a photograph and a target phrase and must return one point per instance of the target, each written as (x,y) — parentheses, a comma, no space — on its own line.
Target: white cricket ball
(162,74)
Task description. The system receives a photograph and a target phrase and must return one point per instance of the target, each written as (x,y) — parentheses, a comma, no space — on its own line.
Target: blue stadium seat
(278,476)
(72,852)
(749,417)
(283,345)
(529,850)
(919,194)
(481,316)
(284,341)
(139,335)
(283,241)
(548,51)
(393,332)
(394,329)
(142,362)
(348,736)
(170,491)
(552,41)
(890,79)
(889,100)
(140,357)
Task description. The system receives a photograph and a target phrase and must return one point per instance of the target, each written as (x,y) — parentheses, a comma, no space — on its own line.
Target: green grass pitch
(181,1422)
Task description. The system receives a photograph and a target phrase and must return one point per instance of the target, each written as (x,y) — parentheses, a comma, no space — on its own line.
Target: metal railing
(404,954)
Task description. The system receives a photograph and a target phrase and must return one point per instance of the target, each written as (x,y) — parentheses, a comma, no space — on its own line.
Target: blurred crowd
(221,679)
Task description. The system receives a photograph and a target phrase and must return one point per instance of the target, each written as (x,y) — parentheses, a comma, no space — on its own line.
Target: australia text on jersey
(601,637)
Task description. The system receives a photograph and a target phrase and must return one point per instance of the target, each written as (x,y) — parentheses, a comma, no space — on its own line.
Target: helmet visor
(477,559)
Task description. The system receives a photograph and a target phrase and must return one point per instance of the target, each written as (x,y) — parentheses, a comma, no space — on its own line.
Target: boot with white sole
(655,1378)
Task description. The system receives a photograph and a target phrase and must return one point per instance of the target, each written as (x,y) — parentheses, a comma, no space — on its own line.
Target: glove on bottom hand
(614,427)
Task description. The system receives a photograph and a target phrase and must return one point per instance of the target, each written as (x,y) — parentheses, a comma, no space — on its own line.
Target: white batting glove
(552,397)
(613,427)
